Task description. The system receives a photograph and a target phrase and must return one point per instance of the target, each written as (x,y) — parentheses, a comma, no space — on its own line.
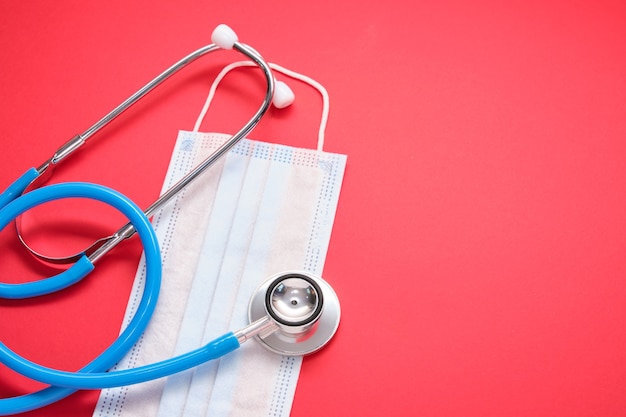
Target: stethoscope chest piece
(304,309)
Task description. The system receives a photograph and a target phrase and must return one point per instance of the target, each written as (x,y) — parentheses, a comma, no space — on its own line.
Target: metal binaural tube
(173,191)
(79,140)
(102,246)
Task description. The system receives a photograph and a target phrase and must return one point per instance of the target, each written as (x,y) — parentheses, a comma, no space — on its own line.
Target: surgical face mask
(263,209)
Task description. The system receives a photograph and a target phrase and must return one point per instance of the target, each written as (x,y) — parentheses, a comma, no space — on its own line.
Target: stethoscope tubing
(83,266)
(98,380)
(18,186)
(93,376)
(145,308)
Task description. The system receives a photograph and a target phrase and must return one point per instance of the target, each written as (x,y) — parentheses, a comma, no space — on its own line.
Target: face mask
(263,209)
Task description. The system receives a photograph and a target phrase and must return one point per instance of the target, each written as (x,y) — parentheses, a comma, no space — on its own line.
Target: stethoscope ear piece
(224,37)
(283,95)
(304,309)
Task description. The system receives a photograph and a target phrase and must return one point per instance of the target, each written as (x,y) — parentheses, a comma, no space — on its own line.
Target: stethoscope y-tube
(292,313)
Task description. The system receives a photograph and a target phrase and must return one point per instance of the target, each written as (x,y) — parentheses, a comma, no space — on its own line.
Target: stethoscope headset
(292,313)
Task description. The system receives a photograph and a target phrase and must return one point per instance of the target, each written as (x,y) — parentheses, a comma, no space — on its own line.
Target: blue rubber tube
(17,187)
(78,271)
(96,380)
(145,309)
(91,376)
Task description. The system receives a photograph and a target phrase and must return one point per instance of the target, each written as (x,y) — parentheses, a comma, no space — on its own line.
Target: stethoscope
(292,313)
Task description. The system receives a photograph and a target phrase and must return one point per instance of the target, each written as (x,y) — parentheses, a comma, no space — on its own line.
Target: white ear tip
(224,37)
(283,95)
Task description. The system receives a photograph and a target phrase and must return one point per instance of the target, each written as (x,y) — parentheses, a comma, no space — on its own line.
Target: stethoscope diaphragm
(304,308)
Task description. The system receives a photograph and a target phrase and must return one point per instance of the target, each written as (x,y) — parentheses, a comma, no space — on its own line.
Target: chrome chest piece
(303,309)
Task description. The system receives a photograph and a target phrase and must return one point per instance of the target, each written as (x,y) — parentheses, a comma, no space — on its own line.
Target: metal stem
(79,140)
(127,231)
(262,327)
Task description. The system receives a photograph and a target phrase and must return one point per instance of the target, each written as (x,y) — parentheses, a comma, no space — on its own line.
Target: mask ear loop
(292,74)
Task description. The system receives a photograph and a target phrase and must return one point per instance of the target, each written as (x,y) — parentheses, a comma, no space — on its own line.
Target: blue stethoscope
(292,313)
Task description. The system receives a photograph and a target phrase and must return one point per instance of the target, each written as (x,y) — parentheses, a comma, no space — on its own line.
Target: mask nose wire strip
(293,74)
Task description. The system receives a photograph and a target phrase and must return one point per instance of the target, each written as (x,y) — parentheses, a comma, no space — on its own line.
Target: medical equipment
(293,313)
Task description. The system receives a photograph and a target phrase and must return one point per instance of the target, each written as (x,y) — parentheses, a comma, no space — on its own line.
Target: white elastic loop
(295,75)
(325,99)
(217,80)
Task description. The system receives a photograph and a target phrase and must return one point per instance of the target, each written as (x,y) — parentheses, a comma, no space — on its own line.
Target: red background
(478,248)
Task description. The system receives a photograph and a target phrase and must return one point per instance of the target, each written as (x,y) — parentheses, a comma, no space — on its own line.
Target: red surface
(479,244)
